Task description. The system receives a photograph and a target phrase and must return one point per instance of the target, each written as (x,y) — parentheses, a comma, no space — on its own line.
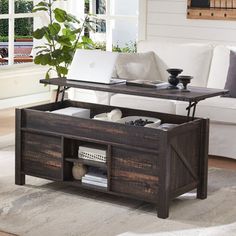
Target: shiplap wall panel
(166,20)
(21,80)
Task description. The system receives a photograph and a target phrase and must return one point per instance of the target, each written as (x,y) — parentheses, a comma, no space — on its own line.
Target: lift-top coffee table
(148,164)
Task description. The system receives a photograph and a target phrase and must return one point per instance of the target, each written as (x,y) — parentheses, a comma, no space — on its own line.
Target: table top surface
(196,93)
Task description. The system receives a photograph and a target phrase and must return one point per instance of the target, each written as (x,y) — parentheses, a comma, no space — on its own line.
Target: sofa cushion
(220,109)
(140,66)
(194,59)
(143,103)
(219,66)
(231,77)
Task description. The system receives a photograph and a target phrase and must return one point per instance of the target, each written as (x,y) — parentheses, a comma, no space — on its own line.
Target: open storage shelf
(77,183)
(88,162)
(142,163)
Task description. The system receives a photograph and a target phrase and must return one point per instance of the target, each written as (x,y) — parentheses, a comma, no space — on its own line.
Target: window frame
(109,18)
(11,16)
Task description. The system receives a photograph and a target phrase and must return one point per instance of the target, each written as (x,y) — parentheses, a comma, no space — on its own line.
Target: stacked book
(95,177)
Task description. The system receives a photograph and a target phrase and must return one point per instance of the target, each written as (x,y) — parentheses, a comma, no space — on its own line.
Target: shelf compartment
(77,183)
(88,162)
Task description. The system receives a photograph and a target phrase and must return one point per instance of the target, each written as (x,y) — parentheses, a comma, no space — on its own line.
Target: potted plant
(63,35)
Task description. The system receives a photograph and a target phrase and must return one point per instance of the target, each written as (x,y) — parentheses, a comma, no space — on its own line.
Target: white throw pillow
(140,66)
(193,58)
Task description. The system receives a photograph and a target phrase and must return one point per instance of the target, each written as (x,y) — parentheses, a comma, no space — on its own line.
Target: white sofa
(209,66)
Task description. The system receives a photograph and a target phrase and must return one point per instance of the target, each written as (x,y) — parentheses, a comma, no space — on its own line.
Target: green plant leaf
(38,47)
(43,50)
(46,59)
(42,3)
(87,40)
(40,9)
(69,25)
(62,70)
(64,40)
(60,15)
(54,28)
(43,59)
(76,31)
(47,76)
(69,33)
(57,53)
(37,59)
(67,57)
(72,18)
(39,33)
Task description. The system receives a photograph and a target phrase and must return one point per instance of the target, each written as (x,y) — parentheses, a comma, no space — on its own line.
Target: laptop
(93,66)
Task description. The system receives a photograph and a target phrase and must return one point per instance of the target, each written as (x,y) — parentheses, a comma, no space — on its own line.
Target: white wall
(166,20)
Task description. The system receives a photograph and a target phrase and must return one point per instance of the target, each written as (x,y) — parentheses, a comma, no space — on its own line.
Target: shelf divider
(101,165)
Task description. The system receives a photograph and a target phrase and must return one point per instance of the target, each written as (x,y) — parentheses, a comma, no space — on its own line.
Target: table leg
(192,105)
(58,92)
(19,176)
(203,160)
(63,94)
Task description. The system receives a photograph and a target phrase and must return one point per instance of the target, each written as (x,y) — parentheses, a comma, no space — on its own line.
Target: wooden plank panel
(165,6)
(137,188)
(42,168)
(41,146)
(217,14)
(188,39)
(193,32)
(138,162)
(41,156)
(91,129)
(134,173)
(181,20)
(188,145)
(22,80)
(170,19)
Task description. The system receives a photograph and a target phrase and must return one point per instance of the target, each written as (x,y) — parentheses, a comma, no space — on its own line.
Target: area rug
(46,208)
(6,234)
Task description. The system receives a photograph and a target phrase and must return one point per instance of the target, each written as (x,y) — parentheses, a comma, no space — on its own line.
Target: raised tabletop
(196,94)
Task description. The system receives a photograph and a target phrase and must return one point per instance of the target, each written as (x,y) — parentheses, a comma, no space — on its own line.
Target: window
(16,27)
(117,24)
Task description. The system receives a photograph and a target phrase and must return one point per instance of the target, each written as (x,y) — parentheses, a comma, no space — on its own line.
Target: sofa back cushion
(141,66)
(194,59)
(219,66)
(231,77)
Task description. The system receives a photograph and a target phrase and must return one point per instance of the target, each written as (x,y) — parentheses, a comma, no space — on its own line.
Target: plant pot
(24,40)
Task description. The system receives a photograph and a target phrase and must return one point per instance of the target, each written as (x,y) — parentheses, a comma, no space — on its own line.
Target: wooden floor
(7,121)
(7,126)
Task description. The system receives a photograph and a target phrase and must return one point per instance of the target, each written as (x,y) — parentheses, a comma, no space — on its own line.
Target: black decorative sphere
(173,78)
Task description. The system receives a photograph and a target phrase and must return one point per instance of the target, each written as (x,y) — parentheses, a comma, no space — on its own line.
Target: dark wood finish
(203,162)
(134,173)
(147,164)
(88,162)
(196,94)
(213,10)
(109,163)
(19,175)
(42,155)
(164,162)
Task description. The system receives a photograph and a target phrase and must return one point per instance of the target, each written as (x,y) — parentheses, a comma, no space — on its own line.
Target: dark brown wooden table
(195,95)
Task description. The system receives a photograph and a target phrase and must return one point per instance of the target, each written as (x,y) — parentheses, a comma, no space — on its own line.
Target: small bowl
(174,71)
(185,80)
(133,118)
